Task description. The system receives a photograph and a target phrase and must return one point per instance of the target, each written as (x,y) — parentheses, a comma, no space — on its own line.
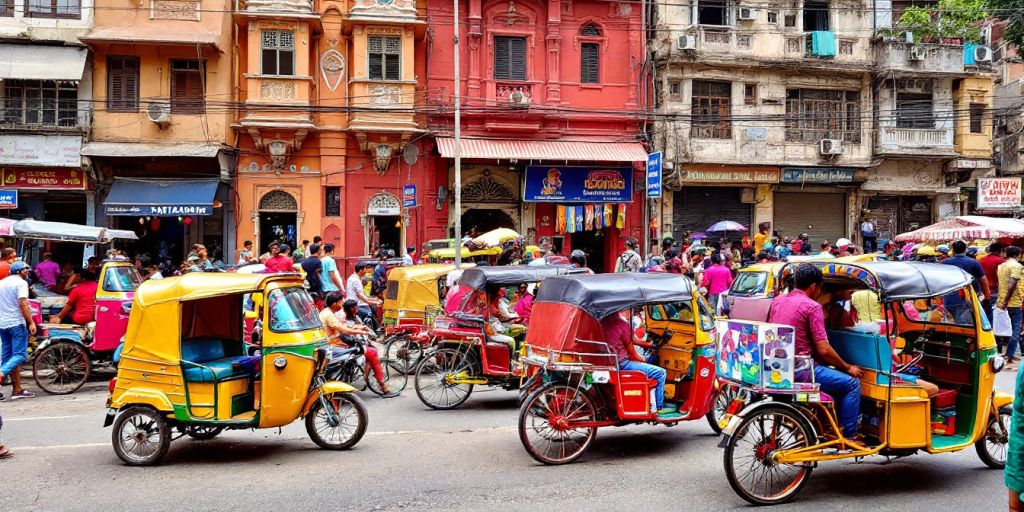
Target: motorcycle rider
(343,332)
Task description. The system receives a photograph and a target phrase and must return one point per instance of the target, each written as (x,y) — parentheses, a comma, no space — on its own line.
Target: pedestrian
(629,260)
(302,251)
(717,279)
(48,271)
(409,258)
(867,233)
(761,238)
(312,266)
(245,254)
(204,264)
(961,309)
(990,264)
(1010,298)
(278,262)
(7,257)
(16,325)
(330,279)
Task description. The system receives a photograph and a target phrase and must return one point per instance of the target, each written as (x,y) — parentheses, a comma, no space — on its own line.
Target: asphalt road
(417,459)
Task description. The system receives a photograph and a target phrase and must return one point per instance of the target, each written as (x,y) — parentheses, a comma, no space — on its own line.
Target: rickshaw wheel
(395,378)
(202,432)
(994,443)
(141,436)
(404,351)
(545,424)
(352,421)
(61,368)
(748,464)
(720,407)
(431,384)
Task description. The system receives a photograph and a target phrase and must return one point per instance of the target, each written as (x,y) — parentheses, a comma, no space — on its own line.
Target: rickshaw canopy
(64,232)
(901,280)
(478,278)
(604,294)
(415,287)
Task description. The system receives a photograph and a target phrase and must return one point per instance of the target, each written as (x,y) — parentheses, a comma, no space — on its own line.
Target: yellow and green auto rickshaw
(184,366)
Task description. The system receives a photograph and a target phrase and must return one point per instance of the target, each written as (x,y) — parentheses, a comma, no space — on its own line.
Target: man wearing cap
(15,326)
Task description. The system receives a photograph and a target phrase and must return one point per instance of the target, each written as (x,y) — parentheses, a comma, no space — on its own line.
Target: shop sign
(801,175)
(158,210)
(998,193)
(67,179)
(564,184)
(654,174)
(409,196)
(41,150)
(730,175)
(8,199)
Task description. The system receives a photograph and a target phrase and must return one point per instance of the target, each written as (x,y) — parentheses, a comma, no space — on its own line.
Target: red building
(552,112)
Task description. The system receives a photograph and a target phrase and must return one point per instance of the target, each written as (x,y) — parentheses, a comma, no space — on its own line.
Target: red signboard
(65,179)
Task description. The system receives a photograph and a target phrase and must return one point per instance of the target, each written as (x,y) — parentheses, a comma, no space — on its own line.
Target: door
(822,216)
(695,209)
(114,295)
(592,243)
(387,234)
(291,329)
(277,227)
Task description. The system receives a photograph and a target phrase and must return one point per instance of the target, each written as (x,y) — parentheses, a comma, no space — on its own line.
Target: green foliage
(950,19)
(917,20)
(1010,10)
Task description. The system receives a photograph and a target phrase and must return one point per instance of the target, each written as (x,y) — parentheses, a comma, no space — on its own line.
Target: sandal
(5,453)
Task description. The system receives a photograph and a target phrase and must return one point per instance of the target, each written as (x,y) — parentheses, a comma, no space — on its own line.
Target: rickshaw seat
(868,351)
(209,352)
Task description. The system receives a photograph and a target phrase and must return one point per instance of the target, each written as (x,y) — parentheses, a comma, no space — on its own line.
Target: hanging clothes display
(560,218)
(589,217)
(589,213)
(620,219)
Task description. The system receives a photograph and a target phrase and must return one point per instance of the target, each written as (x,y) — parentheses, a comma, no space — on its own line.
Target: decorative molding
(332,68)
(486,189)
(277,89)
(278,150)
(382,157)
(186,10)
(384,94)
(383,201)
(278,201)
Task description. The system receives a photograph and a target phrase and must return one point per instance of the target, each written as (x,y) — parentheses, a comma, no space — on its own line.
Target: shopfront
(712,194)
(899,198)
(814,200)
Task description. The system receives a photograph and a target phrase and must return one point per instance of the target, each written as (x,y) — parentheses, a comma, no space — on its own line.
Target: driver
(617,334)
(800,309)
(81,302)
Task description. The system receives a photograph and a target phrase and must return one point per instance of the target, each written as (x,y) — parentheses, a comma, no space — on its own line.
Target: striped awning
(967,228)
(505,149)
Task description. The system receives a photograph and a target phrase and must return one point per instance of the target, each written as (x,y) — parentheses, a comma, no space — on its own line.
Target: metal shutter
(822,216)
(697,208)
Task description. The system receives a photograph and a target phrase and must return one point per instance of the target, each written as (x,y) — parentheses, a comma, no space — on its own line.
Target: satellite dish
(410,154)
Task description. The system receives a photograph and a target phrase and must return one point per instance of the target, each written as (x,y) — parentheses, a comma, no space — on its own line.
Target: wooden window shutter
(501,58)
(375,57)
(517,58)
(589,62)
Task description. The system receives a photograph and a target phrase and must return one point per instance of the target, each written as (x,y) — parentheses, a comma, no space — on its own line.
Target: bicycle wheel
(546,424)
(749,464)
(395,378)
(61,368)
(435,375)
(405,351)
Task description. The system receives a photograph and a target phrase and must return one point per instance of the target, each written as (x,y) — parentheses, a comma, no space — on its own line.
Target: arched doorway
(486,219)
(383,227)
(490,200)
(278,213)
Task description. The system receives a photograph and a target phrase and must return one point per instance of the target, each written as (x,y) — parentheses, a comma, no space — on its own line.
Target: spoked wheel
(434,378)
(748,457)
(395,378)
(992,447)
(346,427)
(61,368)
(405,351)
(141,436)
(202,432)
(727,393)
(546,424)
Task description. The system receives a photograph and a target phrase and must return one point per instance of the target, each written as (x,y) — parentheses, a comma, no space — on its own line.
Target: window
(794,45)
(672,311)
(845,47)
(790,20)
(385,55)
(815,114)
(675,91)
(977,117)
(710,110)
(748,284)
(6,7)
(750,94)
(332,203)
(53,8)
(121,279)
(40,102)
(712,12)
(589,63)
(187,87)
(122,84)
(510,58)
(590,30)
(815,15)
(744,41)
(914,104)
(278,53)
(773,16)
(292,310)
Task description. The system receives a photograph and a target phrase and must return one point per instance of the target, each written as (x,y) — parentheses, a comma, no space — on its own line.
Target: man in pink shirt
(717,280)
(48,271)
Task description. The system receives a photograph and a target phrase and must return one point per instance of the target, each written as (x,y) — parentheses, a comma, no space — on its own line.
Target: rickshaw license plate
(600,377)
(808,397)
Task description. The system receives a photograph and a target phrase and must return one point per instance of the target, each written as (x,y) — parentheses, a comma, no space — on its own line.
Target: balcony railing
(513,93)
(919,57)
(915,140)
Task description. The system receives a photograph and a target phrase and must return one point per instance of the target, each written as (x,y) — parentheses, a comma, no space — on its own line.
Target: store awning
(35,62)
(146,35)
(161,198)
(504,149)
(139,150)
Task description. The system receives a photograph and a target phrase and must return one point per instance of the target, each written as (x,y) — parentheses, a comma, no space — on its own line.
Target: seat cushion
(201,350)
(219,369)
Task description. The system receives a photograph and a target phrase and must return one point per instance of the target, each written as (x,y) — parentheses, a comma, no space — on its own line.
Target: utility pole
(458,143)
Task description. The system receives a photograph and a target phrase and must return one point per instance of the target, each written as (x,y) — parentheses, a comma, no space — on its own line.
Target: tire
(141,436)
(404,351)
(547,443)
(202,432)
(61,368)
(431,374)
(751,440)
(395,377)
(993,446)
(353,421)
(716,416)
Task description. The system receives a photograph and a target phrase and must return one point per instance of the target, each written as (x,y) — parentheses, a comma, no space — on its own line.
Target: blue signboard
(8,199)
(409,196)
(816,175)
(654,174)
(561,184)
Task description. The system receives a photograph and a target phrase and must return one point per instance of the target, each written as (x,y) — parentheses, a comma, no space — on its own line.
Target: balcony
(279,6)
(916,58)
(894,141)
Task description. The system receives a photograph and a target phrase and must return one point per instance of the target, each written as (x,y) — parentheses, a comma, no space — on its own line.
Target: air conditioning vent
(982,54)
(686,43)
(159,112)
(746,14)
(518,99)
(830,147)
(916,53)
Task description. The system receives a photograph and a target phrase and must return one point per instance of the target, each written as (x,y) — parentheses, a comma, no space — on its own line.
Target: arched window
(590,30)
(279,201)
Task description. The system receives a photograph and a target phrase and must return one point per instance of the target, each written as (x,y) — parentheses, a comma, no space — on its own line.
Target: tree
(1013,12)
(950,19)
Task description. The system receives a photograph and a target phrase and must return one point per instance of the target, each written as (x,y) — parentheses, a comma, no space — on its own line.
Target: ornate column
(553,38)
(473,43)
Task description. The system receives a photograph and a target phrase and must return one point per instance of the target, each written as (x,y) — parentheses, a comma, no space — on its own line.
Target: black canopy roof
(902,280)
(602,295)
(479,277)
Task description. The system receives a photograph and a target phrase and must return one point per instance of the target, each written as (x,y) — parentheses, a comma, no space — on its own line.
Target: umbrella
(725,225)
(966,227)
(495,237)
(698,236)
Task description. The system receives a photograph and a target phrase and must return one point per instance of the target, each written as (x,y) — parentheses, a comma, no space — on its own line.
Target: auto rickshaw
(580,387)
(184,366)
(412,299)
(933,329)
(468,348)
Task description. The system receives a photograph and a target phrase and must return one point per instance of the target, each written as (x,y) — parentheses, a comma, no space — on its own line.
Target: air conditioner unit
(518,99)
(982,54)
(746,14)
(159,112)
(686,43)
(830,146)
(916,53)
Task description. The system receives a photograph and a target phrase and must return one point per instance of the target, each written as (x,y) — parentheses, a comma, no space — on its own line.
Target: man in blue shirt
(959,308)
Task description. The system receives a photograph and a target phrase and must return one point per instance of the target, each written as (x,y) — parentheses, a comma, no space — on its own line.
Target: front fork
(332,417)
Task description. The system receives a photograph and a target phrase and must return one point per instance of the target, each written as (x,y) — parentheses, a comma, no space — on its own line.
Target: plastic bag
(1001,323)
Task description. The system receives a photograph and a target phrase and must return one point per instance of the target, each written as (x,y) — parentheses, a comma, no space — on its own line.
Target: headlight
(997,361)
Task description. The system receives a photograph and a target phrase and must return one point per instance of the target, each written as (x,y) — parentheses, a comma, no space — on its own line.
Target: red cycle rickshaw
(579,386)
